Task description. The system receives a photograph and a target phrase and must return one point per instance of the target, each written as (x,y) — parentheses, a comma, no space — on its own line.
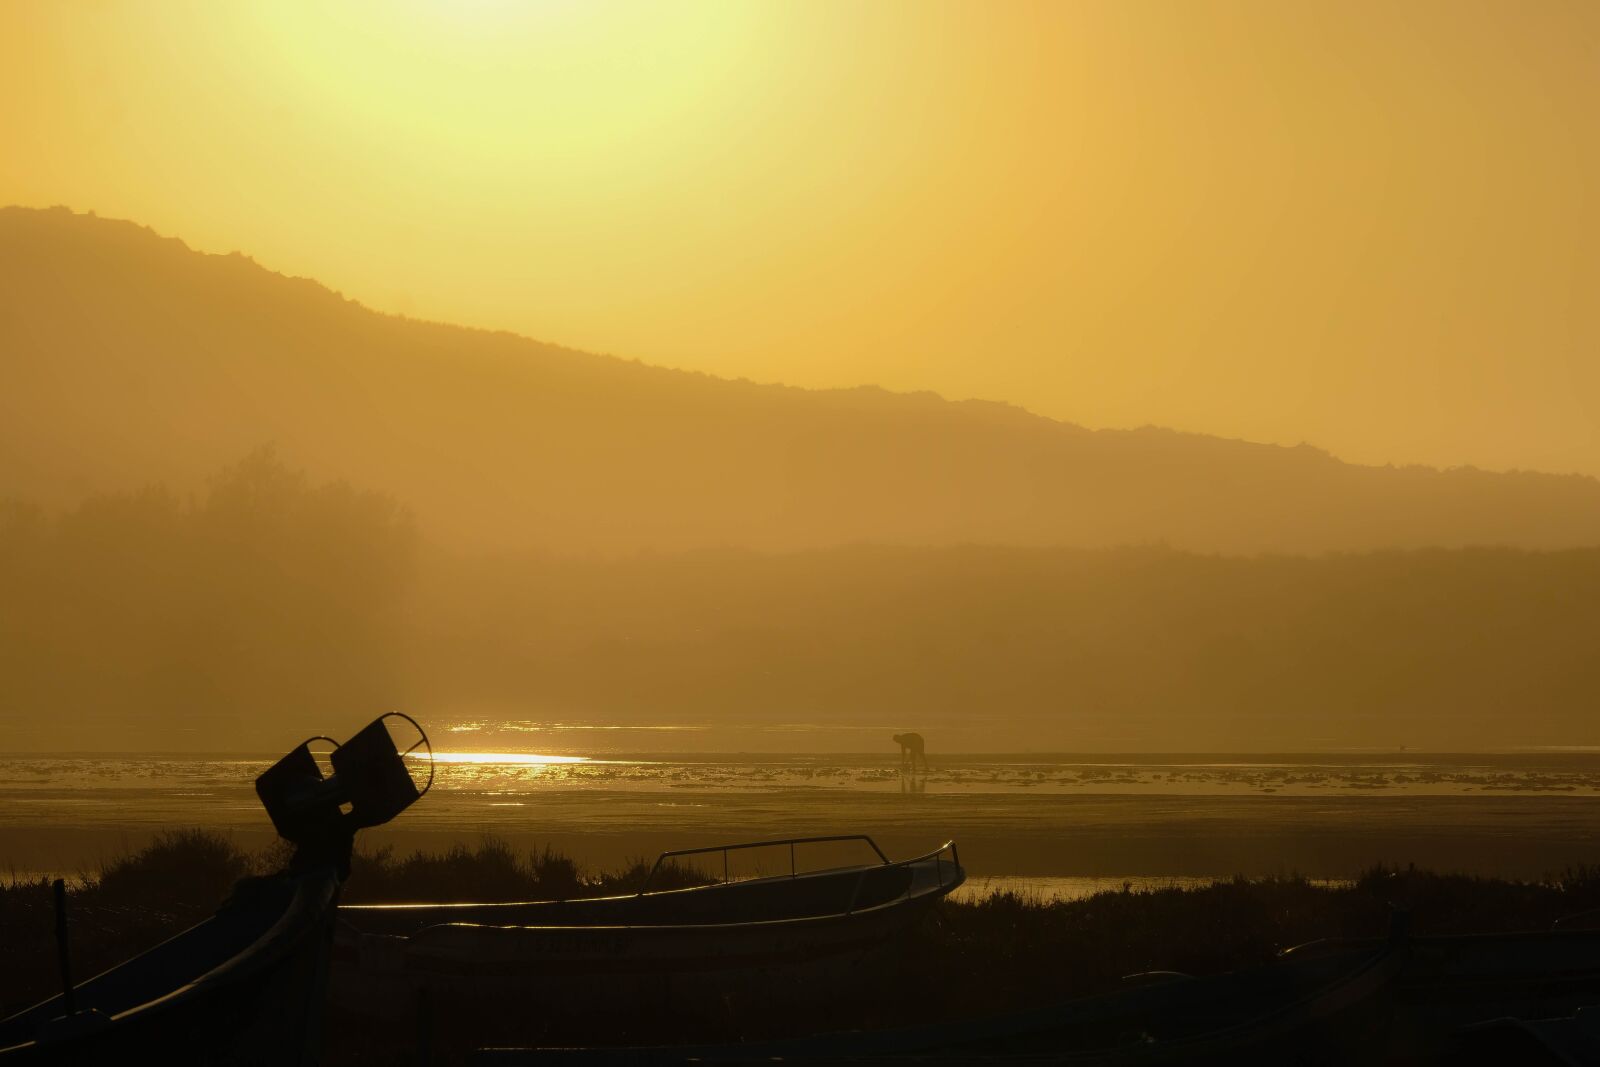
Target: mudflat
(1516,816)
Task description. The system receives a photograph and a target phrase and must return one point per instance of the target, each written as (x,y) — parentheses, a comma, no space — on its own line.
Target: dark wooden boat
(244,986)
(1456,980)
(1311,1009)
(247,985)
(1570,1041)
(753,927)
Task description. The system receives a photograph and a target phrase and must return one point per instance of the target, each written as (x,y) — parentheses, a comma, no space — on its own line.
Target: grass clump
(184,869)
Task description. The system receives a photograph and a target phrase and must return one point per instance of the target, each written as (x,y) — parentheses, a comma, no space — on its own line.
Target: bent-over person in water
(911,750)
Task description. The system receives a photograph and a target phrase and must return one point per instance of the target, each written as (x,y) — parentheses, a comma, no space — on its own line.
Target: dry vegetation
(1001,953)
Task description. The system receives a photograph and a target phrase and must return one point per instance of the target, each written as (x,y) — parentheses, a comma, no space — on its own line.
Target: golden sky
(1370,225)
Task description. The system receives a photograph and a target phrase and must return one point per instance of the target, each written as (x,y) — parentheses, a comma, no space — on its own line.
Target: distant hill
(127,358)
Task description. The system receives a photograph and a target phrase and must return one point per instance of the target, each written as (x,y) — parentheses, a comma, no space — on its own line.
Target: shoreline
(1105,836)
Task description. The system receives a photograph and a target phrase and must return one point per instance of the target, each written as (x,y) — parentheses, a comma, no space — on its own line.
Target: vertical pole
(724,866)
(67,999)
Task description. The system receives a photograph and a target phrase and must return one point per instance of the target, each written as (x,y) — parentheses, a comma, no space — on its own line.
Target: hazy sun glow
(1363,224)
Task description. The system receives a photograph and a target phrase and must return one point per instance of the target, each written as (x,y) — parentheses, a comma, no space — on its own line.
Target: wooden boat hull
(1453,981)
(246,986)
(1564,1042)
(563,964)
(787,932)
(817,893)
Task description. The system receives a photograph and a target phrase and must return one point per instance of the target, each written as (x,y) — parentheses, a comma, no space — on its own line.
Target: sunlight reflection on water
(1045,890)
(521,759)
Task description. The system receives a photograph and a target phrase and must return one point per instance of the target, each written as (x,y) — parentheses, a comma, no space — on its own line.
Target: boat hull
(780,935)
(244,987)
(548,966)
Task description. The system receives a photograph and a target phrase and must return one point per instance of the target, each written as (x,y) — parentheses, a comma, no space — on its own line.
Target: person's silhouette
(911,750)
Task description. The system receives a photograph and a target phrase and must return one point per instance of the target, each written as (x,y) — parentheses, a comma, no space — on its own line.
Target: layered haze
(238,500)
(135,360)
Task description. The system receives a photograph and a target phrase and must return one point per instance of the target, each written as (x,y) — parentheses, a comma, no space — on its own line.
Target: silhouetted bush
(189,868)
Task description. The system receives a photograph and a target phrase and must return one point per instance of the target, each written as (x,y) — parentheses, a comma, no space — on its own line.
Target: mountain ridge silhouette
(134,359)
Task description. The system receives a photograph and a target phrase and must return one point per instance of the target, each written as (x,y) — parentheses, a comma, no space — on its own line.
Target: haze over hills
(348,512)
(129,359)
(268,602)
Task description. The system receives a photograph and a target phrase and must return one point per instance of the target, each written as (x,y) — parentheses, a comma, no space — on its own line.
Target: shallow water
(1105,818)
(528,774)
(1047,890)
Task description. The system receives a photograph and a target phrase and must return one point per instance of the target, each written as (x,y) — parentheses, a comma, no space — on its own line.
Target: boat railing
(939,863)
(794,870)
(946,859)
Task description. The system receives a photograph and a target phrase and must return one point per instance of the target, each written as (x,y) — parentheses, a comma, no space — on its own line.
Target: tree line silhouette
(151,620)
(148,620)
